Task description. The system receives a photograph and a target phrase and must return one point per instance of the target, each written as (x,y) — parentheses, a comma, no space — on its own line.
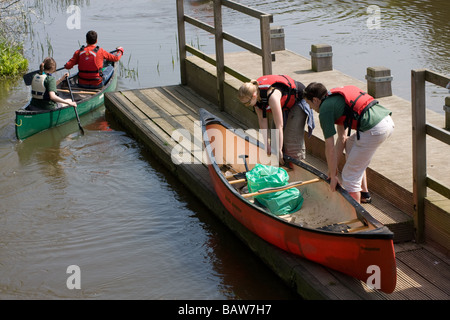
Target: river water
(102,203)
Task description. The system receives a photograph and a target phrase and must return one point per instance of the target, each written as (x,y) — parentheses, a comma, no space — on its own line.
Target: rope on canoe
(19,125)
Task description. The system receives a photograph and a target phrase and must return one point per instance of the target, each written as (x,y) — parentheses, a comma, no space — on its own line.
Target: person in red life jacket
(282,97)
(349,108)
(43,88)
(91,72)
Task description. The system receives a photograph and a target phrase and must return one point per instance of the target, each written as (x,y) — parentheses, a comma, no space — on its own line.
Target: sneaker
(365,197)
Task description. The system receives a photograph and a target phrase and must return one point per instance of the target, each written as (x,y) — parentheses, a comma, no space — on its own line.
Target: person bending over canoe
(91,73)
(283,97)
(43,88)
(372,126)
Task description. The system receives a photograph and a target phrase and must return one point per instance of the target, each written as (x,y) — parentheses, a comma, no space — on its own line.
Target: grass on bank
(12,62)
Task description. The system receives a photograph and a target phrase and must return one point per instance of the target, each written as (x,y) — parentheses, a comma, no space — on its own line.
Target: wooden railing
(420,128)
(265,51)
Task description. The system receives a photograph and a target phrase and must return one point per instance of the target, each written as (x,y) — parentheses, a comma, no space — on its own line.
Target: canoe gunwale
(380,231)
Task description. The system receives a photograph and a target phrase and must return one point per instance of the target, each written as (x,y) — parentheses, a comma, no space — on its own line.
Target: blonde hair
(247,90)
(48,64)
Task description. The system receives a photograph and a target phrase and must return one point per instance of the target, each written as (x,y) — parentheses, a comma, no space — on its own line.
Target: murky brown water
(100,202)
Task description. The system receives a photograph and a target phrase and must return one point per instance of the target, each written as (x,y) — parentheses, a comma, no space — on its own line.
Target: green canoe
(29,122)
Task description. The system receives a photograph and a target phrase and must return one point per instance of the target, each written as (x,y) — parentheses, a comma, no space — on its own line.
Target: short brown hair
(91,37)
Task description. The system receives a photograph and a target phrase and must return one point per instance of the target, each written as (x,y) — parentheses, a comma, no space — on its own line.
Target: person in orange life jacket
(375,126)
(43,88)
(91,73)
(289,110)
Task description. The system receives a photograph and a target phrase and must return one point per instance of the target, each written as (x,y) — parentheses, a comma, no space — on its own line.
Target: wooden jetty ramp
(153,115)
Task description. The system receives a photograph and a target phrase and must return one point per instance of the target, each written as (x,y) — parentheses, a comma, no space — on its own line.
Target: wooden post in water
(379,82)
(321,57)
(419,151)
(447,113)
(181,41)
(220,60)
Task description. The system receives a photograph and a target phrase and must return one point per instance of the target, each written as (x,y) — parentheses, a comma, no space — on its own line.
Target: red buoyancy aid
(357,103)
(89,73)
(292,91)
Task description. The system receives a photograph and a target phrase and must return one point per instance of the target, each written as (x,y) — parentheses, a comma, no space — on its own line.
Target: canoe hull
(29,123)
(366,256)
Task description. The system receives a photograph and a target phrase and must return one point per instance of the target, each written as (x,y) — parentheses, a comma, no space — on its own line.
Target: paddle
(282,188)
(75,108)
(28,78)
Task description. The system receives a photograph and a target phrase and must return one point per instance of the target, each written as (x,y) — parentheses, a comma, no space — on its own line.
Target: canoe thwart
(286,187)
(237,181)
(81,92)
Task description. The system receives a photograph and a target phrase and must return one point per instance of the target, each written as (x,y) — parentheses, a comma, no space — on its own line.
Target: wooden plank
(419,149)
(123,109)
(245,9)
(172,112)
(220,55)
(438,133)
(181,40)
(436,78)
(266,45)
(153,105)
(150,109)
(438,187)
(429,266)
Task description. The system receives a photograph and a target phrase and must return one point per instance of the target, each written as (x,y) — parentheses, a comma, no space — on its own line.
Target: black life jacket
(357,102)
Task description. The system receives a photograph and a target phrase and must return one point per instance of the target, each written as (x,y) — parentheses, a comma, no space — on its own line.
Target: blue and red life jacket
(292,91)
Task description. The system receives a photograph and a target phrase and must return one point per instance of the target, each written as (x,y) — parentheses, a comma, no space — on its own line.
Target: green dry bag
(281,202)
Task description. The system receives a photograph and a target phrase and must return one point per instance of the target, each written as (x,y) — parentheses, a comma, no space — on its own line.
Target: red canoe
(330,228)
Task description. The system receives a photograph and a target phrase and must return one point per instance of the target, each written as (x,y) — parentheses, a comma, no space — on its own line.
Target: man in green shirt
(375,127)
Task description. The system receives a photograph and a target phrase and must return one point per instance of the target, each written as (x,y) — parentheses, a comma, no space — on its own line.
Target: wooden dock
(152,115)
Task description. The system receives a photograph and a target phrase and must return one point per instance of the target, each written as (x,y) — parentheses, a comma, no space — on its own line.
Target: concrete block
(379,82)
(277,38)
(321,57)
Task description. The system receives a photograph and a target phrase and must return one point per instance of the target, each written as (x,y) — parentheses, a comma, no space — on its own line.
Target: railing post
(419,151)
(266,44)
(181,41)
(379,82)
(220,63)
(447,113)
